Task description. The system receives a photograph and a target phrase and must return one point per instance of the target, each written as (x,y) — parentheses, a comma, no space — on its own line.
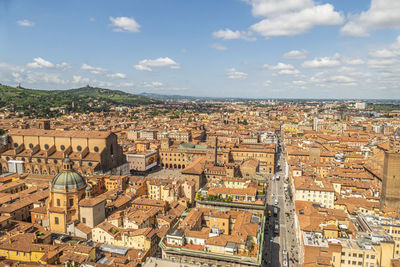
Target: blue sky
(236,48)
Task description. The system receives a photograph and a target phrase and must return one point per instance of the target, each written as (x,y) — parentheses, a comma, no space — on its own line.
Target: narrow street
(281,241)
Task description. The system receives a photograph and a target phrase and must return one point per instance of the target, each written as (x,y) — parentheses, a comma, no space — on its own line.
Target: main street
(276,245)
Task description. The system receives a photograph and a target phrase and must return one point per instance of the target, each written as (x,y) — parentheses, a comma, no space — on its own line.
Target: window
(56,220)
(15,144)
(55,161)
(373,257)
(71,202)
(62,147)
(84,220)
(79,148)
(46,146)
(360,255)
(58,202)
(30,145)
(96,149)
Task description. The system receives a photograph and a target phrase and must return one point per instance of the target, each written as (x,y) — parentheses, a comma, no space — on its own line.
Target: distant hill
(49,103)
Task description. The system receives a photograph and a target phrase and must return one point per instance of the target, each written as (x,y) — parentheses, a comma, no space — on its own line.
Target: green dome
(68,179)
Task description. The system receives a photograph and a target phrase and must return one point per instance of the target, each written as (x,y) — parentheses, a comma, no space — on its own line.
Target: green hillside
(42,103)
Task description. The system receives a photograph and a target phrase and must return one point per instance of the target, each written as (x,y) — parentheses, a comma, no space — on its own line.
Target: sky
(217,48)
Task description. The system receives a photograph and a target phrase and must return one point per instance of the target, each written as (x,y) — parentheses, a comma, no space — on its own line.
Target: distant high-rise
(316,124)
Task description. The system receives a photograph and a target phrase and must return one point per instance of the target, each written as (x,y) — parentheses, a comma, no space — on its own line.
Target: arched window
(62,147)
(96,149)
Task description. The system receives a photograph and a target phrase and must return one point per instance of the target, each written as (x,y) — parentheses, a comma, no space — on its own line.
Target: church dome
(68,179)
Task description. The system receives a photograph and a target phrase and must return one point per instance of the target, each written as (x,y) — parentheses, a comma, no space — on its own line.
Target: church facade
(42,151)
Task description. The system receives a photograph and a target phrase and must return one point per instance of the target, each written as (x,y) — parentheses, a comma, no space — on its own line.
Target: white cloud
(353,61)
(341,79)
(218,47)
(117,75)
(148,64)
(296,54)
(382,63)
(142,67)
(298,22)
(289,72)
(93,70)
(228,34)
(39,62)
(79,79)
(383,53)
(152,84)
(299,82)
(63,66)
(273,7)
(279,66)
(232,73)
(37,77)
(325,77)
(283,68)
(267,83)
(381,14)
(387,61)
(322,62)
(91,19)
(124,24)
(25,23)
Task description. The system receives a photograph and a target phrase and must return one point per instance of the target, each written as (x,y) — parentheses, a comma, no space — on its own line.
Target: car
(276,228)
(275,212)
(276,202)
(272,196)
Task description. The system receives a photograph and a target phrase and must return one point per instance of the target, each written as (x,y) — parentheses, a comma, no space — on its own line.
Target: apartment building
(314,190)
